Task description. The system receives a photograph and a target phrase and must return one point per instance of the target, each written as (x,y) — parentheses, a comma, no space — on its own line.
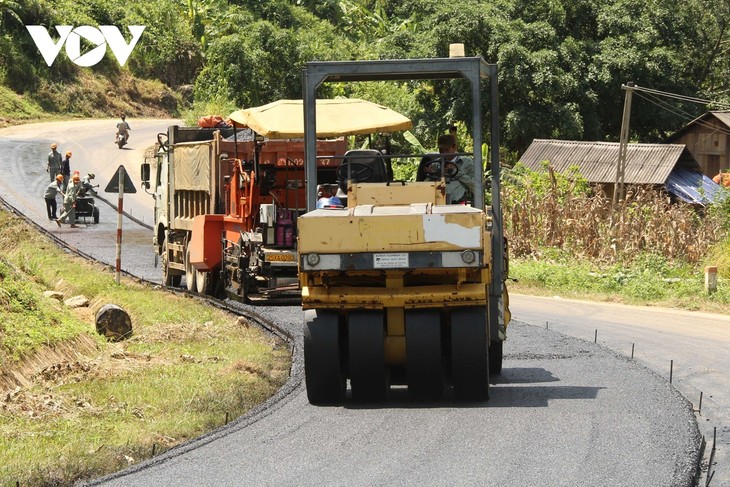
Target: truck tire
(205,282)
(168,279)
(323,370)
(95,214)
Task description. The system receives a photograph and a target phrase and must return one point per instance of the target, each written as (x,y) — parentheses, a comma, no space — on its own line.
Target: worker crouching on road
(69,202)
(55,187)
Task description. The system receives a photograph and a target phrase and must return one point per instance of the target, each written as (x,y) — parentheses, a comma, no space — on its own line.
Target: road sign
(113,186)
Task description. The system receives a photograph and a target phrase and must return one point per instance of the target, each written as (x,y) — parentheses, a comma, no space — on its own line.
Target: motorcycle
(121,140)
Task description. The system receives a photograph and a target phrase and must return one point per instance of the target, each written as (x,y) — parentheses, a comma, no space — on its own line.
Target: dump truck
(226,203)
(399,287)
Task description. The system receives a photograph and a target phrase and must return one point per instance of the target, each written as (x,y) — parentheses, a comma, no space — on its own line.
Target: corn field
(551,211)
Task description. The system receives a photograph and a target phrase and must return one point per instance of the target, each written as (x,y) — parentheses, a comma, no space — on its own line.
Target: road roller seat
(366,165)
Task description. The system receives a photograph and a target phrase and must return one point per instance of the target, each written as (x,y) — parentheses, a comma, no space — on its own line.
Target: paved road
(693,345)
(25,149)
(564,412)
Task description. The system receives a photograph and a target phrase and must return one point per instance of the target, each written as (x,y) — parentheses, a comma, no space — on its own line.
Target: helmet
(59,177)
(77,173)
(91,175)
(54,145)
(333,202)
(68,154)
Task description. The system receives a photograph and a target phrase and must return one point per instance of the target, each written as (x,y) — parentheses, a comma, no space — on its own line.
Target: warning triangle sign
(113,186)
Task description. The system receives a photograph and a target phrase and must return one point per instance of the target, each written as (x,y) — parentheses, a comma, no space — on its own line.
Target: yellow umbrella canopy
(284,119)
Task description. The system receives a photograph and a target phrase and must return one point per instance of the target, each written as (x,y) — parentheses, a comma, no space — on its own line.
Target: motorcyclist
(123,128)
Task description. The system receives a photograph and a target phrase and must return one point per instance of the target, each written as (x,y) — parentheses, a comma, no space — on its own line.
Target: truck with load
(399,287)
(227,200)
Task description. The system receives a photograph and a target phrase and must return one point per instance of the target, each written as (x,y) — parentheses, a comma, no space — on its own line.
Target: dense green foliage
(561,62)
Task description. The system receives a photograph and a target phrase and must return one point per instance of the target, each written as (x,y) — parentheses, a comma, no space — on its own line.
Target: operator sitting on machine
(459,181)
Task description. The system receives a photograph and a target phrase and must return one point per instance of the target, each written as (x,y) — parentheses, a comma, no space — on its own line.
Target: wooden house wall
(709,145)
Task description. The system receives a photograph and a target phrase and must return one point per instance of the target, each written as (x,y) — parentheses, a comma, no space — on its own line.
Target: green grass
(185,369)
(650,280)
(17,107)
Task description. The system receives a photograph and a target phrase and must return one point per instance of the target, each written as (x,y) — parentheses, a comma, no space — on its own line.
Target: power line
(690,99)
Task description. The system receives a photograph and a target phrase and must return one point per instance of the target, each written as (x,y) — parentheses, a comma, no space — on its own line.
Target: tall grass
(553,211)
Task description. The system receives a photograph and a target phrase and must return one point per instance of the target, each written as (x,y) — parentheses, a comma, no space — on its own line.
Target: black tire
(95,214)
(424,356)
(495,357)
(469,353)
(205,282)
(366,353)
(323,373)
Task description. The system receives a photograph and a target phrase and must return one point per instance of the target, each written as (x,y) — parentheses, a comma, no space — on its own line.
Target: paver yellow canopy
(399,287)
(284,119)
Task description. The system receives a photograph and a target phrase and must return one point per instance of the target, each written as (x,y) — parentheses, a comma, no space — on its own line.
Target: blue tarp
(694,187)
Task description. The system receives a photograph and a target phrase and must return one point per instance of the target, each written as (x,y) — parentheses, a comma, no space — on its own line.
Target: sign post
(122,184)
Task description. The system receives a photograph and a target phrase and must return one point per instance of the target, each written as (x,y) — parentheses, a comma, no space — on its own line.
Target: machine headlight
(313,259)
(468,256)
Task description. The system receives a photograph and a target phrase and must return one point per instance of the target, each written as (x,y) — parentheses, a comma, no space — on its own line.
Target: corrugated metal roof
(645,163)
(694,187)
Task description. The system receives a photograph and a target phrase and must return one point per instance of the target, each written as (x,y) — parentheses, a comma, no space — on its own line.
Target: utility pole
(618,188)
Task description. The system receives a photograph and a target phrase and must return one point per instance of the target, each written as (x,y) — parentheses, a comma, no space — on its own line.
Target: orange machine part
(205,242)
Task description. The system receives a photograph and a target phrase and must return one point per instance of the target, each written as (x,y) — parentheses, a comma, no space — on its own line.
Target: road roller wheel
(495,357)
(469,353)
(322,363)
(424,367)
(366,338)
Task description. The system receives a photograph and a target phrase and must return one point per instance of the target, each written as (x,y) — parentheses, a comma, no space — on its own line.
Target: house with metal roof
(670,166)
(708,139)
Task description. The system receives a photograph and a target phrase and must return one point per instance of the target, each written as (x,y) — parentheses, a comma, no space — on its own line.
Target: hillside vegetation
(561,62)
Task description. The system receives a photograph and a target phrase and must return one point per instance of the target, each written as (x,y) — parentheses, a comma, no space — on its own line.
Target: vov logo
(71,36)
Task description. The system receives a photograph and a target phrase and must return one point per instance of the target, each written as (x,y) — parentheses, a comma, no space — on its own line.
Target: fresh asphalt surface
(564,412)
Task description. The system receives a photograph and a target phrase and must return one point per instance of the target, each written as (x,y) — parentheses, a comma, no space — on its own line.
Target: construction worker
(54,162)
(52,190)
(66,170)
(69,202)
(460,186)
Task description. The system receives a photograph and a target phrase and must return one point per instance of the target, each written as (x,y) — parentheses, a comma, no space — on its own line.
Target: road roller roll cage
(472,69)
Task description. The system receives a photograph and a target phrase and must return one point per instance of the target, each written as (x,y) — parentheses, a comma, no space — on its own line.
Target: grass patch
(185,369)
(649,280)
(14,107)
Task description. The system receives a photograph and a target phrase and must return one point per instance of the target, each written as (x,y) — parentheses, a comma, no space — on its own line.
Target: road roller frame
(403,289)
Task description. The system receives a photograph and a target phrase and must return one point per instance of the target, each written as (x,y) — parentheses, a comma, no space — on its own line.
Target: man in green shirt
(54,162)
(69,202)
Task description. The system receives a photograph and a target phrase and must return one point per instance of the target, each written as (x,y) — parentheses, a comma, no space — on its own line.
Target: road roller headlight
(468,256)
(312,259)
